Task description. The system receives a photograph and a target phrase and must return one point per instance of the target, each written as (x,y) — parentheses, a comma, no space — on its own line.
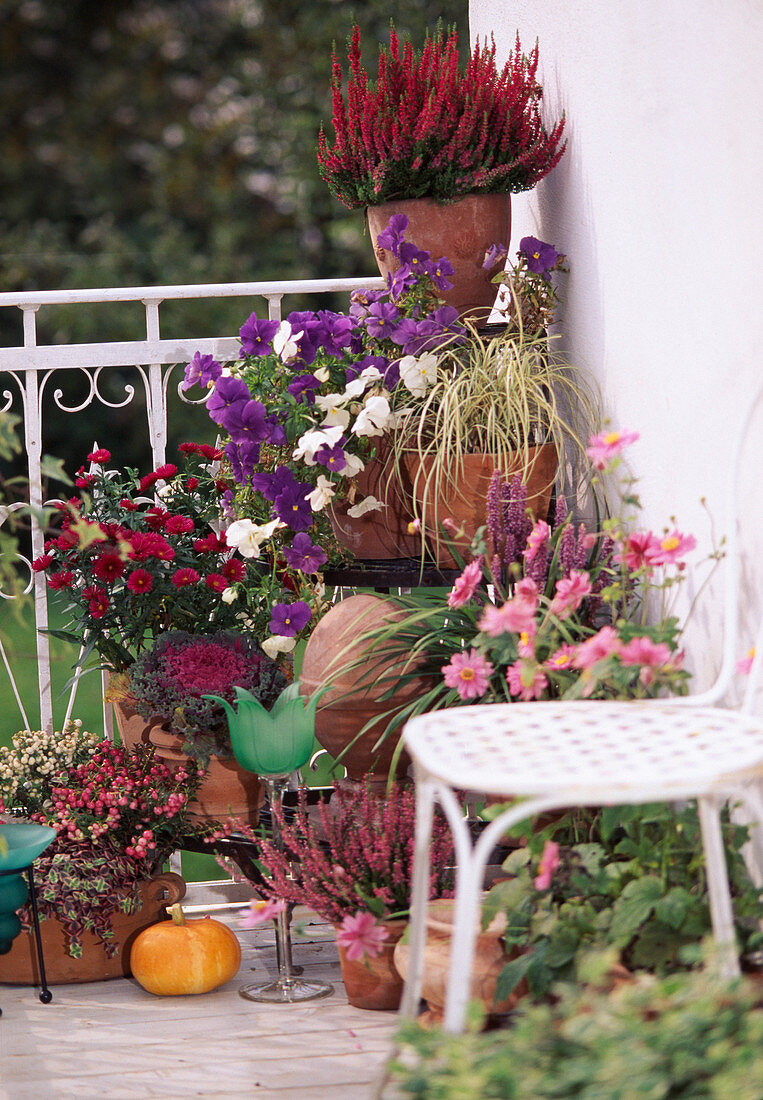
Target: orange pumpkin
(182,956)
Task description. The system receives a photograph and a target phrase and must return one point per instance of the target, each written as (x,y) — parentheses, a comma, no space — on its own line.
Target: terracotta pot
(348,704)
(462,496)
(374,982)
(20,966)
(489,960)
(462,231)
(132,727)
(378,535)
(227,790)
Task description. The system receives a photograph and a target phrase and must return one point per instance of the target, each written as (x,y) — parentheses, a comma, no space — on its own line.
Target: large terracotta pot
(374,983)
(227,790)
(20,966)
(382,535)
(462,231)
(346,707)
(489,960)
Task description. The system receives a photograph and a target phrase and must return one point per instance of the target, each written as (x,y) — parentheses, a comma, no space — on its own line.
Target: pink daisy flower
(570,593)
(469,673)
(605,446)
(260,911)
(643,651)
(526,679)
(672,548)
(744,664)
(637,550)
(562,658)
(605,643)
(465,585)
(535,539)
(361,935)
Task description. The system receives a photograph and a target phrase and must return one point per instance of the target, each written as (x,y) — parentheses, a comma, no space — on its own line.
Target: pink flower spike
(361,936)
(260,911)
(605,446)
(570,593)
(744,664)
(469,673)
(465,585)
(549,862)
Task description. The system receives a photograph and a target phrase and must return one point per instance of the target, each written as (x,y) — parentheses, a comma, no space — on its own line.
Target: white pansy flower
(331,404)
(353,465)
(371,374)
(418,374)
(247,537)
(278,643)
(312,441)
(373,418)
(367,504)
(355,388)
(322,494)
(285,342)
(229,595)
(322,374)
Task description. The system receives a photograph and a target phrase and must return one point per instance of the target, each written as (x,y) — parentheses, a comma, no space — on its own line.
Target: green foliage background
(172,141)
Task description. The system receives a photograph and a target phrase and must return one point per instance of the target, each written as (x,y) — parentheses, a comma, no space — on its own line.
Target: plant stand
(288,988)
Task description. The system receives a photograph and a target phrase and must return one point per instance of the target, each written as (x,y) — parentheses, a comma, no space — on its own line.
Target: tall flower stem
(287,987)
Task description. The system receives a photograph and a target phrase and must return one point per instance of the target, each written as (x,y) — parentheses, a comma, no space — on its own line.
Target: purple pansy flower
(228,392)
(306,322)
(202,370)
(292,506)
(360,300)
(303,388)
(392,236)
(400,280)
(303,555)
(270,485)
(333,458)
(382,318)
(337,332)
(540,256)
(413,258)
(356,368)
(495,255)
(439,270)
(287,619)
(243,457)
(275,433)
(256,335)
(245,421)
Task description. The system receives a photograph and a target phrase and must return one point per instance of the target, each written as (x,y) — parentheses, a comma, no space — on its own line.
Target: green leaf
(511,975)
(672,909)
(562,948)
(634,906)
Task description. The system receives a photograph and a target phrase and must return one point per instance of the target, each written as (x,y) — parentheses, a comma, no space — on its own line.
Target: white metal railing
(31,368)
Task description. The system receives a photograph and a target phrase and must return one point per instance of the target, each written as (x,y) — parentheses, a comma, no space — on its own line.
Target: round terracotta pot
(374,983)
(132,727)
(462,231)
(489,961)
(20,966)
(227,790)
(351,702)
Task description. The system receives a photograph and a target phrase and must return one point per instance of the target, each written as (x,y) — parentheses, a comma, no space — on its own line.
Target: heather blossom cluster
(428,127)
(355,857)
(311,397)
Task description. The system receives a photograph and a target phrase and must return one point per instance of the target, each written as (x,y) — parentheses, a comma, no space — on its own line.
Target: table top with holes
(608,752)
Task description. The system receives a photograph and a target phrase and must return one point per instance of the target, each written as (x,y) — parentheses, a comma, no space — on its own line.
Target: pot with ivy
(443,143)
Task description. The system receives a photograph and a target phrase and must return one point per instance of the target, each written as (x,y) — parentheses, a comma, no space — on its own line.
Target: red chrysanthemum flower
(216,581)
(147,544)
(233,570)
(63,579)
(185,577)
(163,473)
(178,525)
(100,456)
(212,454)
(140,580)
(99,604)
(212,544)
(85,481)
(39,565)
(128,505)
(191,484)
(156,517)
(108,567)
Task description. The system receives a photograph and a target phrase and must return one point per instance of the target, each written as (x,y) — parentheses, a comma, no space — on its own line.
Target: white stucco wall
(657,205)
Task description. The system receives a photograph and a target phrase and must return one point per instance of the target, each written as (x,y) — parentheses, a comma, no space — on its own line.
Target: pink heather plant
(354,855)
(425,127)
(361,936)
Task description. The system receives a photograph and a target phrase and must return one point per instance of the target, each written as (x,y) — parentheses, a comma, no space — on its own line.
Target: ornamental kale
(171,680)
(424,128)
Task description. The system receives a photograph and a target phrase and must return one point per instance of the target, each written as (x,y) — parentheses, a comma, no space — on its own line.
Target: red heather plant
(171,679)
(424,128)
(355,854)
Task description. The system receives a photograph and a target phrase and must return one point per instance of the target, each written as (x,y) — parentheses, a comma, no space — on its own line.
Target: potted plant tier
(346,422)
(351,861)
(442,143)
(117,815)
